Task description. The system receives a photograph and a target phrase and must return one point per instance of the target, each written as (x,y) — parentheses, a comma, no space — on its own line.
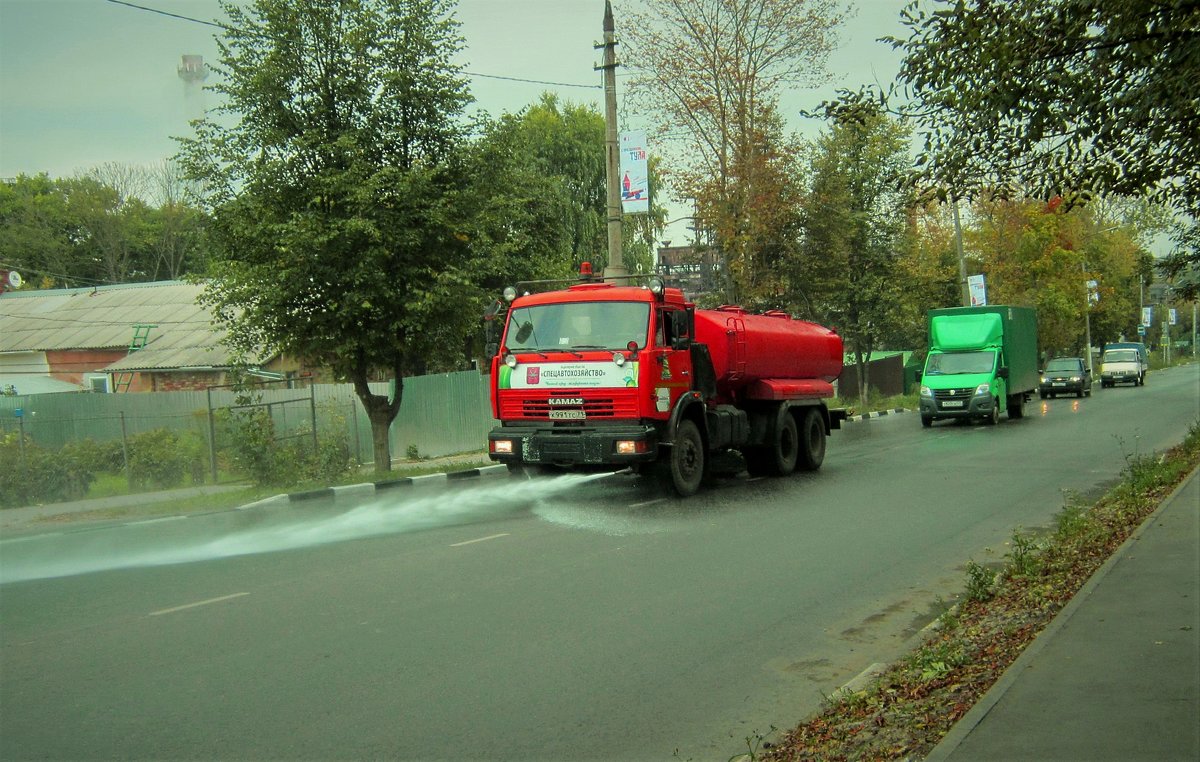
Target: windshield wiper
(588,346)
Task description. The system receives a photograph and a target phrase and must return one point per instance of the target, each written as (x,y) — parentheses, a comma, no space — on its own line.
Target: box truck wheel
(685,464)
(994,416)
(812,441)
(1016,406)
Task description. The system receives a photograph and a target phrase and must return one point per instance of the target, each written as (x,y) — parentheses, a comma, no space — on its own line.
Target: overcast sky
(85,82)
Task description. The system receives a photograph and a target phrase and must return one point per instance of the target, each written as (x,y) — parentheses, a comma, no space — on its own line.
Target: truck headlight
(925,391)
(982,390)
(619,358)
(510,360)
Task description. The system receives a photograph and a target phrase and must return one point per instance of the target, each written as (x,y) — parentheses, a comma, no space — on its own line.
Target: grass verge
(906,711)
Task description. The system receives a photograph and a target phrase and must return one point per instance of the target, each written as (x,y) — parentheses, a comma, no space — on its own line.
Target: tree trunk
(381,411)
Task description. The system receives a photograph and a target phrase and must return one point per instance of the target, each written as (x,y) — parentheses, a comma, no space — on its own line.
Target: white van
(1123,365)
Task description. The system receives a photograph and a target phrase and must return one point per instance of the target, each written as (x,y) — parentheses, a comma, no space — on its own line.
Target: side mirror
(524,332)
(919,374)
(1002,373)
(491,349)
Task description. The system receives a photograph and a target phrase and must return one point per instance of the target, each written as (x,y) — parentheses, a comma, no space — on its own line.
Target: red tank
(747,348)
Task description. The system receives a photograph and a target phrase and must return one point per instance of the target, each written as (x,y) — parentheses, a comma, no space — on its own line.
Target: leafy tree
(926,275)
(35,231)
(854,223)
(1060,97)
(333,173)
(714,70)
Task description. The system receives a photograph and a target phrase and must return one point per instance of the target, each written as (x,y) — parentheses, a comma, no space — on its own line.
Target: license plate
(952,403)
(566,400)
(1059,383)
(567,415)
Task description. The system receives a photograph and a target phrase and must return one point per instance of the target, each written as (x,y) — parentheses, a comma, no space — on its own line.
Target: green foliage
(162,458)
(75,231)
(1058,97)
(1022,559)
(256,449)
(96,457)
(980,580)
(847,275)
(334,172)
(32,475)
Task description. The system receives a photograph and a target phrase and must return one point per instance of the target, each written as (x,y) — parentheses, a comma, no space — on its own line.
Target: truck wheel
(1016,406)
(926,421)
(781,453)
(993,417)
(686,461)
(812,441)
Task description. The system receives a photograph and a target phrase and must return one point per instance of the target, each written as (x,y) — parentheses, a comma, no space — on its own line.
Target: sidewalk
(1116,675)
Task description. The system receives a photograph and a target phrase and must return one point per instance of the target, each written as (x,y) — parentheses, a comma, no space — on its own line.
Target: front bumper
(1060,386)
(574,446)
(975,407)
(1120,377)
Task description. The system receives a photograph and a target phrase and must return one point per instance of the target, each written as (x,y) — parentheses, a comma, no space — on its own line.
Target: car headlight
(1076,379)
(925,391)
(1043,379)
(983,389)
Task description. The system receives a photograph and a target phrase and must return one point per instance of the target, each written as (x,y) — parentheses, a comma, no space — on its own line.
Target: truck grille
(953,394)
(598,404)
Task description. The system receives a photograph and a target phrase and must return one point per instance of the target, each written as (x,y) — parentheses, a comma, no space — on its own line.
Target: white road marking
(481,539)
(648,502)
(197,603)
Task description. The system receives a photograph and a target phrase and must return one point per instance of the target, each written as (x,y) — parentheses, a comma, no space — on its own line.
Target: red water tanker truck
(606,375)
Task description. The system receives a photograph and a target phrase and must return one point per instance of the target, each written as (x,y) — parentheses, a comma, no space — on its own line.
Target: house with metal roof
(129,337)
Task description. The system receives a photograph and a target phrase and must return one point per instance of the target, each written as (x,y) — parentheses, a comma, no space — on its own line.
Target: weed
(411,453)
(1022,559)
(979,582)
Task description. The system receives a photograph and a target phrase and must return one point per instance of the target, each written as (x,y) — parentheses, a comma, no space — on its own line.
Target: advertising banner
(635,173)
(584,375)
(978,290)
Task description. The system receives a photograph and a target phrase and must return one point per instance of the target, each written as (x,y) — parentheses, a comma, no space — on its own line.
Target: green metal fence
(440,414)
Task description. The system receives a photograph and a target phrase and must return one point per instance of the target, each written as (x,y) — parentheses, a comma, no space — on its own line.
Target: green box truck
(979,359)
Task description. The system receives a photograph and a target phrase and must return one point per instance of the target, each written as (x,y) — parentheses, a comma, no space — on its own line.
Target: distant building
(80,339)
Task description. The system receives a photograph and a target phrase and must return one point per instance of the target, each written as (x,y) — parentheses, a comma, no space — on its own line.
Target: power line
(166,13)
(468,73)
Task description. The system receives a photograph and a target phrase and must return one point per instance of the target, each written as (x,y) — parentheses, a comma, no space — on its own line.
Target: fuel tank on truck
(746,347)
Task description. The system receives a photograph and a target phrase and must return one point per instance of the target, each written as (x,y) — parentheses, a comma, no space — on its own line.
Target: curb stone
(876,414)
(367,488)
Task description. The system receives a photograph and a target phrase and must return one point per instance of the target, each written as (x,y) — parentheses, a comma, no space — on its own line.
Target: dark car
(1065,375)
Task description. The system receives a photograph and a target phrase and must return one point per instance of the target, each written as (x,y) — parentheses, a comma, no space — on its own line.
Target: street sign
(1141,330)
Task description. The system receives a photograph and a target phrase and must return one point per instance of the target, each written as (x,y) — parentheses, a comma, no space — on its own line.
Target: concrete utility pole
(616,265)
(962,259)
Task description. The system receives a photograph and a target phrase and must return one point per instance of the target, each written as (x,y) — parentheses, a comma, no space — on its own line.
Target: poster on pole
(1146,316)
(635,173)
(978,290)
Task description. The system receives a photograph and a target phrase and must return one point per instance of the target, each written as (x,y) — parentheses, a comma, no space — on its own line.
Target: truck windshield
(954,363)
(1121,355)
(577,325)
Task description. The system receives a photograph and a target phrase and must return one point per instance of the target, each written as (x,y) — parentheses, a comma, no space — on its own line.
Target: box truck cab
(981,359)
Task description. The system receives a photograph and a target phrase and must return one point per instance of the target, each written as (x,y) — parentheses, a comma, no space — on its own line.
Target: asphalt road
(555,619)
